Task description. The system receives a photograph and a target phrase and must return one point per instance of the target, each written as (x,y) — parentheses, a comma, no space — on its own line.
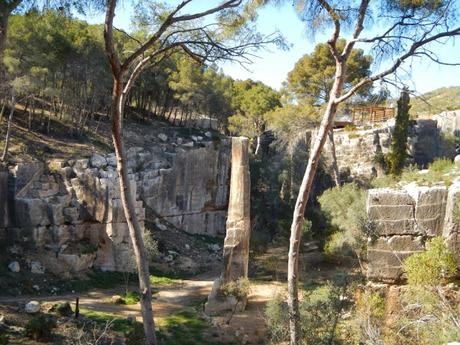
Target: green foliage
(129,298)
(161,281)
(398,153)
(277,319)
(40,327)
(185,328)
(441,165)
(252,101)
(62,309)
(102,319)
(313,75)
(346,208)
(368,318)
(319,312)
(291,119)
(431,267)
(427,316)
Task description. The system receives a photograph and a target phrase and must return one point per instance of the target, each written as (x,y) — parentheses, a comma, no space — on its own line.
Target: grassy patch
(162,280)
(118,325)
(132,297)
(185,328)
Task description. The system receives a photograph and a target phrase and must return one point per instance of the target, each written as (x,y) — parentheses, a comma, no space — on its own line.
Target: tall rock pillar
(236,244)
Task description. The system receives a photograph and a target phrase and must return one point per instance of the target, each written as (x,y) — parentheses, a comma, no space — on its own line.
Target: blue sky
(273,65)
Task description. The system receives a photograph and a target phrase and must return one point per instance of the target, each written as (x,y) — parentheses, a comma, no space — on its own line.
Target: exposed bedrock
(71,211)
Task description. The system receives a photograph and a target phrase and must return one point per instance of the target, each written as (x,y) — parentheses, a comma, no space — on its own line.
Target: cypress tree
(398,154)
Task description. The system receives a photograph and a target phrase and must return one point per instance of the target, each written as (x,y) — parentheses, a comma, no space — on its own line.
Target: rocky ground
(179,302)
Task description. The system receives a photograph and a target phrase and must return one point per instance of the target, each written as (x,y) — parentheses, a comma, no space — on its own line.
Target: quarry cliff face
(357,149)
(70,211)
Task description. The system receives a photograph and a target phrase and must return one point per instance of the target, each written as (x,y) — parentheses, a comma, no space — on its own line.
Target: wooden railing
(371,115)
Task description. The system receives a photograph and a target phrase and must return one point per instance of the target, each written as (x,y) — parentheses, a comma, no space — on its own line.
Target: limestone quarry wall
(356,150)
(404,220)
(71,212)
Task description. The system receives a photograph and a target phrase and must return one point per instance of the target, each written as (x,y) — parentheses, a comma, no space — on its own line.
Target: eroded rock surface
(71,211)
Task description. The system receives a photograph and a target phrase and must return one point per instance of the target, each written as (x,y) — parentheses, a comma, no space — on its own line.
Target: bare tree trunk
(135,229)
(256,152)
(335,166)
(127,198)
(8,130)
(301,203)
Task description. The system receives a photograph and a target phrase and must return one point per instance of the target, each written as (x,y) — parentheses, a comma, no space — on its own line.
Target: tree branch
(332,42)
(358,29)
(171,19)
(412,50)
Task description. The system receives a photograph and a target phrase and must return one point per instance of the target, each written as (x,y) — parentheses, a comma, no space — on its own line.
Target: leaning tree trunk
(256,152)
(335,166)
(301,203)
(135,229)
(8,130)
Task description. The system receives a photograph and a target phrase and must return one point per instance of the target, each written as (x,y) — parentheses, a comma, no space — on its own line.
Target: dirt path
(169,299)
(173,298)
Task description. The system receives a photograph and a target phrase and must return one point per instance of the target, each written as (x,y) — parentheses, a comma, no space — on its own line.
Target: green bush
(431,267)
(40,327)
(130,297)
(428,315)
(319,313)
(346,207)
(238,289)
(367,320)
(62,309)
(441,165)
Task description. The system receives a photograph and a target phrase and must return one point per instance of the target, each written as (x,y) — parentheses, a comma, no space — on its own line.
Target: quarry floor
(193,292)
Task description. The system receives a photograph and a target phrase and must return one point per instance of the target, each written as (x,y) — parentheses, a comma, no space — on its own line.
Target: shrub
(368,318)
(428,315)
(129,298)
(135,334)
(319,315)
(431,267)
(40,327)
(346,207)
(238,289)
(441,165)
(277,319)
(62,309)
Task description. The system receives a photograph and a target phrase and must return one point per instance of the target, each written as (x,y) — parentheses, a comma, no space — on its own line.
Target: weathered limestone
(451,227)
(404,220)
(358,149)
(236,244)
(71,211)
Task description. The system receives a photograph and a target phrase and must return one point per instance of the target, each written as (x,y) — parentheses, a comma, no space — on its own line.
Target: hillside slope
(436,101)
